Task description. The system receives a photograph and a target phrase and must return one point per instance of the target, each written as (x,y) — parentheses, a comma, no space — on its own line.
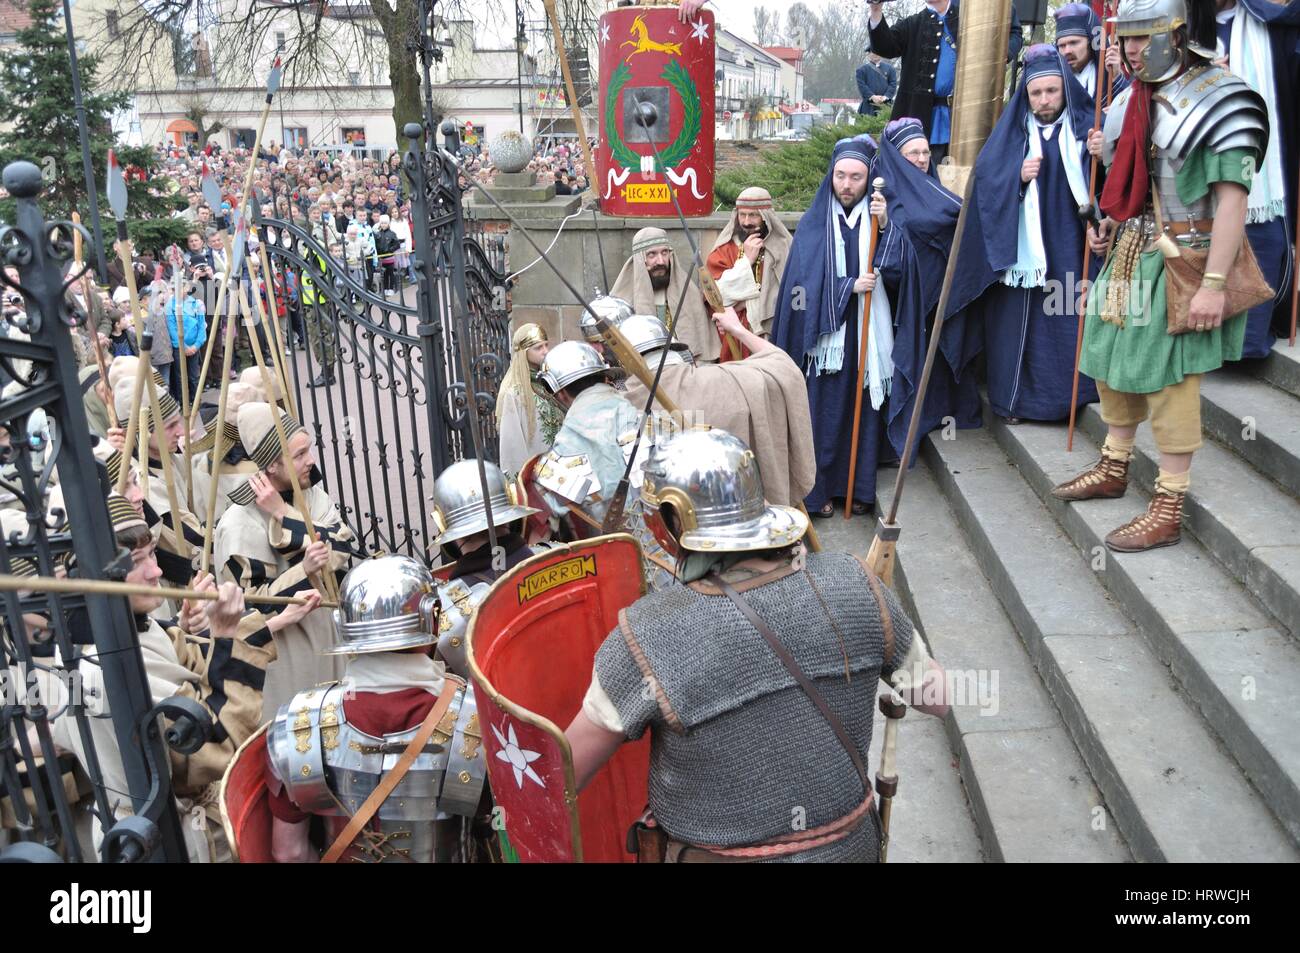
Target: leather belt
(1202,226)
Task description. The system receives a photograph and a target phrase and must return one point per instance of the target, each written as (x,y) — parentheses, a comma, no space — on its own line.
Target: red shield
(245,802)
(647,56)
(531,647)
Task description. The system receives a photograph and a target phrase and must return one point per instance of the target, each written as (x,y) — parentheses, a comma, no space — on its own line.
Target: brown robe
(763,400)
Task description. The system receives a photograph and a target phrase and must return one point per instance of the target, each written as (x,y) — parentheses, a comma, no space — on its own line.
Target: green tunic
(1142,357)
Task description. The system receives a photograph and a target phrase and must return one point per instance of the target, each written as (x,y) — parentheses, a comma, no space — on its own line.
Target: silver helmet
(458,602)
(385,604)
(612,309)
(571,361)
(458,509)
(708,481)
(647,333)
(1157,19)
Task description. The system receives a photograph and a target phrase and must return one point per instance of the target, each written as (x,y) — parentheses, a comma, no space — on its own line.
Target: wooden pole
(218,445)
(106,587)
(100,359)
(1295,270)
(124,254)
(277,343)
(212,338)
(1091,213)
(291,474)
(572,95)
(179,296)
(863,339)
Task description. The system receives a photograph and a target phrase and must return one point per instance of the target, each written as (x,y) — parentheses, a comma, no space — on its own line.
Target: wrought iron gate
(392,411)
(45,644)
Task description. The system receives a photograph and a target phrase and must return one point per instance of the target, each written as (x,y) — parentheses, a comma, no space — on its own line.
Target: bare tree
(767,25)
(198,110)
(323,41)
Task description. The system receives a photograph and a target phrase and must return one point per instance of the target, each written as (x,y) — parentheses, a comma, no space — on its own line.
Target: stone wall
(540,296)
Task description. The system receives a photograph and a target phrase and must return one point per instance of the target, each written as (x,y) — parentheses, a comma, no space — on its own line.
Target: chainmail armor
(753,756)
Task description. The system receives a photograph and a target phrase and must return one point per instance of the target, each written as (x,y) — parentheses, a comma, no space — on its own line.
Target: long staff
(1295,267)
(91,304)
(125,253)
(863,339)
(212,195)
(325,584)
(178,293)
(234,263)
(1088,214)
(107,587)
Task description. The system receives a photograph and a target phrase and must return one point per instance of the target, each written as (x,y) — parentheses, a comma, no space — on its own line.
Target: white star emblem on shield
(519,759)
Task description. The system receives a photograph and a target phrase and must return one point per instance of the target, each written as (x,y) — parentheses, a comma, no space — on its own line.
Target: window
(295,137)
(114,29)
(279,42)
(354,79)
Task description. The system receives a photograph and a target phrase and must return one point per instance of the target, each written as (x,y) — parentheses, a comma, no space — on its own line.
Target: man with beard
(1078,32)
(820,317)
(261,542)
(1018,273)
(652,284)
(747,261)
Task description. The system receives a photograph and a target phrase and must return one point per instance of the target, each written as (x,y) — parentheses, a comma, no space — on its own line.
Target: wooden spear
(107,587)
(125,252)
(178,295)
(100,359)
(219,448)
(572,95)
(325,584)
(1295,266)
(864,337)
(277,343)
(211,192)
(212,195)
(1089,214)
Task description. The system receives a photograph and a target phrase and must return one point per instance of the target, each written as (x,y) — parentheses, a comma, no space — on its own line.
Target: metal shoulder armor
(1207,106)
(458,602)
(295,745)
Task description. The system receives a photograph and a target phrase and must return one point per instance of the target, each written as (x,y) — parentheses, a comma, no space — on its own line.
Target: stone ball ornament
(510,151)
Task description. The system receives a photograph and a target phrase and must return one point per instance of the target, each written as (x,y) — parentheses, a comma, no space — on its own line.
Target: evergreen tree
(37,108)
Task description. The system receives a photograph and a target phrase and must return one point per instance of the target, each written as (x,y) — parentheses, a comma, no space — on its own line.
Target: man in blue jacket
(877,83)
(195,329)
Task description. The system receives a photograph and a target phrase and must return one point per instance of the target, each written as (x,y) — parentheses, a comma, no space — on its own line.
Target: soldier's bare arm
(289,842)
(592,746)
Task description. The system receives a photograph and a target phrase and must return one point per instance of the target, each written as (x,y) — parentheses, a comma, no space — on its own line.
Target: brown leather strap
(389,781)
(805,683)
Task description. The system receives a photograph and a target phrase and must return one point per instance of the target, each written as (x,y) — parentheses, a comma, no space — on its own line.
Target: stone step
(1244,519)
(1257,421)
(1229,656)
(1031,794)
(1175,794)
(932,820)
(1281,368)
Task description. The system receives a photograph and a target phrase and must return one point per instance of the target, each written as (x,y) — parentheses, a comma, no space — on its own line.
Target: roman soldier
(527,419)
(651,281)
(261,543)
(1182,146)
(722,786)
(398,717)
(581,473)
(763,398)
(748,259)
(461,519)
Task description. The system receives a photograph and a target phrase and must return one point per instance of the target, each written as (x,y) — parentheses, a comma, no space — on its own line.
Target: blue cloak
(1029,335)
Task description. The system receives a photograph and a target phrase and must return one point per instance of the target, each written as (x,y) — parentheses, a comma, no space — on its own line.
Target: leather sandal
(1107,479)
(1160,525)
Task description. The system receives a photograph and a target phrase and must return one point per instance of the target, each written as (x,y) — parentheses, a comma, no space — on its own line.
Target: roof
(791,54)
(14,16)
